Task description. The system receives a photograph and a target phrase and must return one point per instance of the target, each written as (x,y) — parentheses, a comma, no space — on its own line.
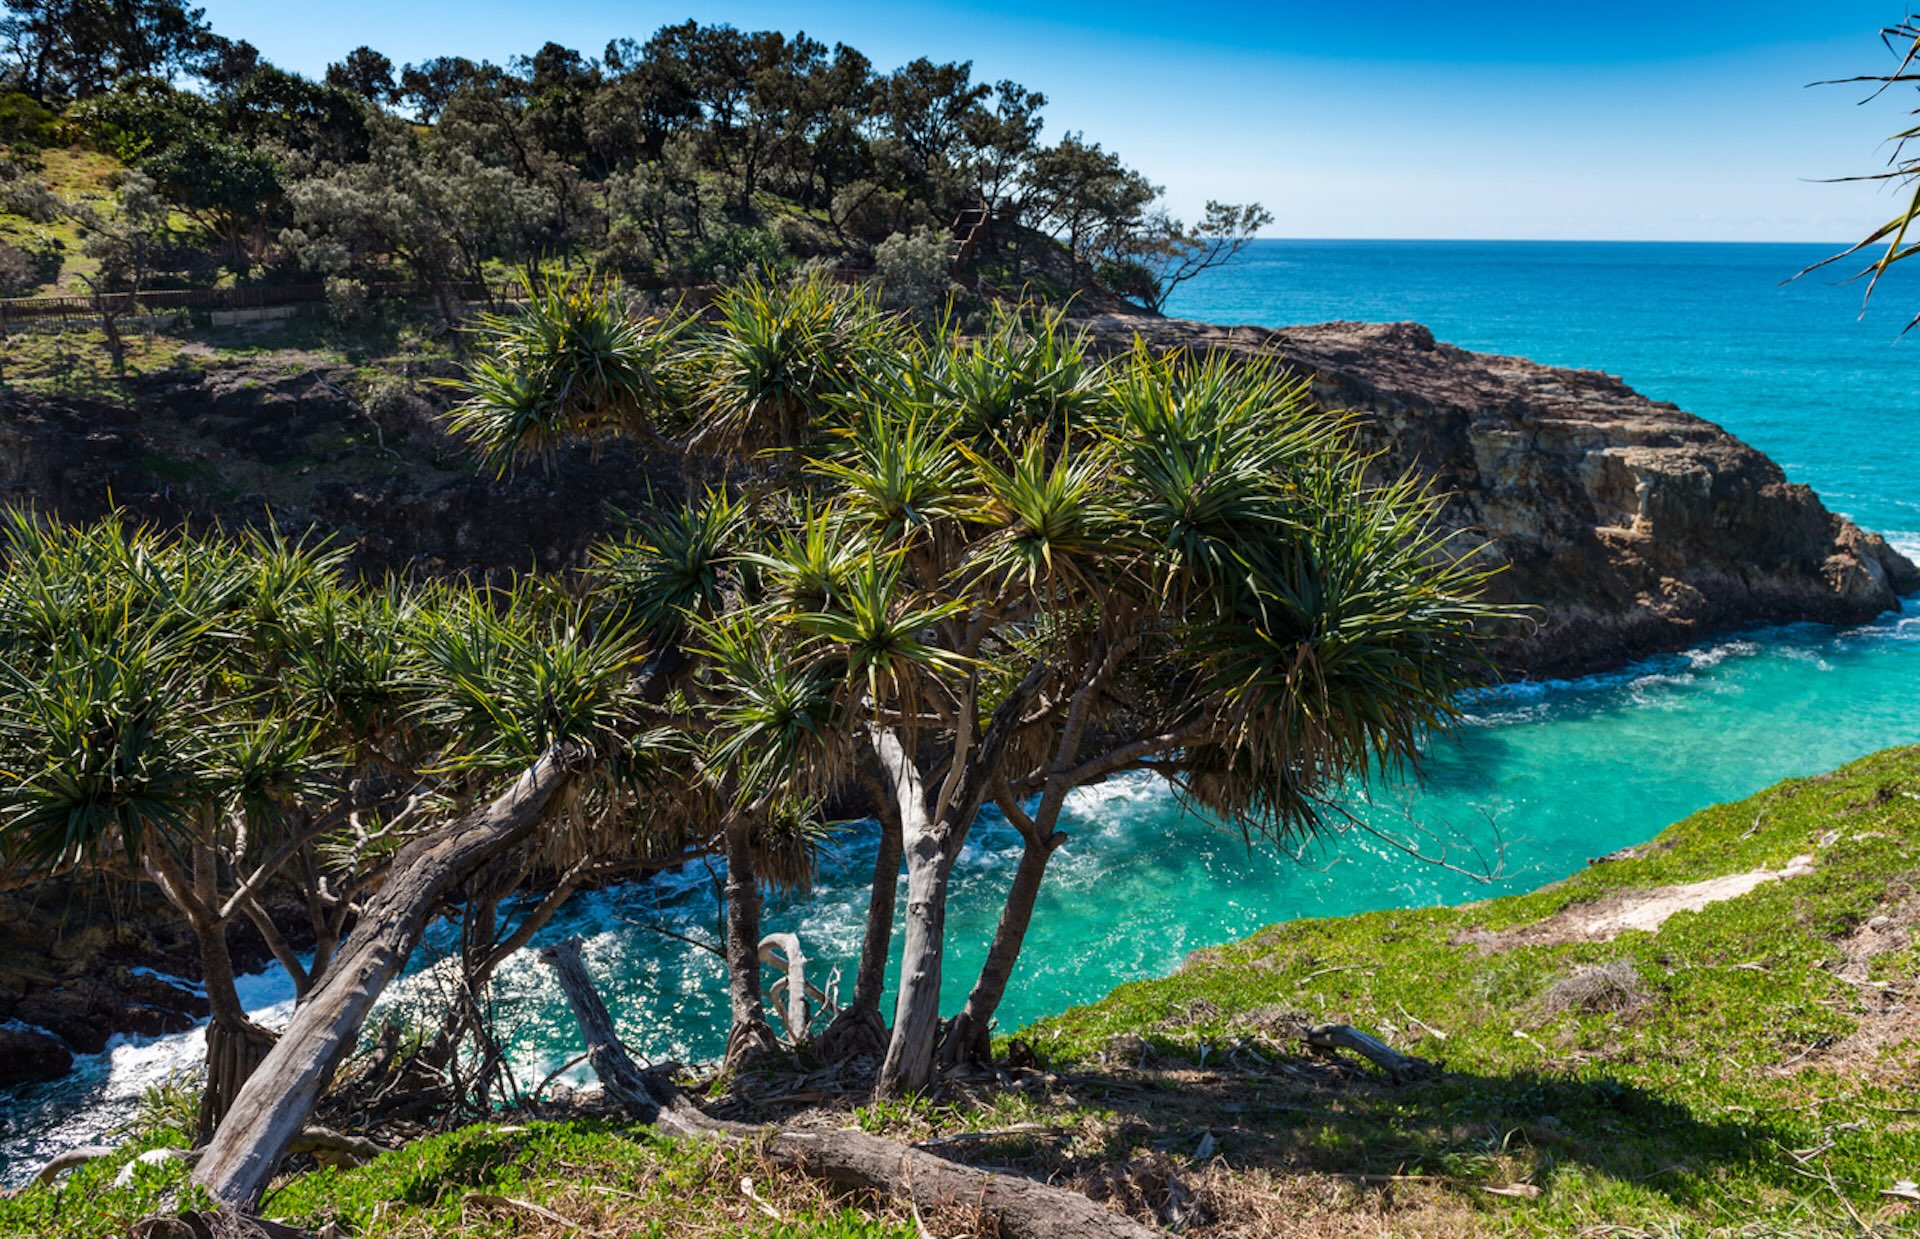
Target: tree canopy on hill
(701,151)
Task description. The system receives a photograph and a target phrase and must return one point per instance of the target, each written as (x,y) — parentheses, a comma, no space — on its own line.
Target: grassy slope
(1748,1081)
(1753,1071)
(79,176)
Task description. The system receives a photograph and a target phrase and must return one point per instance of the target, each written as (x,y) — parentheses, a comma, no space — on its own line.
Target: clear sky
(1634,119)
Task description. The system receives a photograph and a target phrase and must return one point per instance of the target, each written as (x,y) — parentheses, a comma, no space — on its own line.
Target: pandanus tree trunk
(908,1065)
(273,1105)
(933,829)
(930,842)
(235,1044)
(858,1028)
(750,1036)
(968,1036)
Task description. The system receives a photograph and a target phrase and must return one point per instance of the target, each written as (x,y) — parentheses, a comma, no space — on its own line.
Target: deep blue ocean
(1549,774)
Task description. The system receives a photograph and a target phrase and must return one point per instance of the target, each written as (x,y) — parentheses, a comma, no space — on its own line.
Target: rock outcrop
(1628,526)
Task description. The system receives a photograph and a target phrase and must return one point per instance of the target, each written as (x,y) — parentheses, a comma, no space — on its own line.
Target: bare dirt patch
(1890,1014)
(1606,918)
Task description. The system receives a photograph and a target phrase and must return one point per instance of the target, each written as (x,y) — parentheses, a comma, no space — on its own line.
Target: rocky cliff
(1627,525)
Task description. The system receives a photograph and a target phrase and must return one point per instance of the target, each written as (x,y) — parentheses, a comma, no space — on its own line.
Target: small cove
(1556,773)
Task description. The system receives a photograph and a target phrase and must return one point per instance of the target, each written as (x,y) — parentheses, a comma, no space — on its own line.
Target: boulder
(29,1055)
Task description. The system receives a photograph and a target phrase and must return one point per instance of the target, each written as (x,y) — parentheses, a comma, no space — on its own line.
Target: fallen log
(1379,1053)
(1025,1209)
(272,1106)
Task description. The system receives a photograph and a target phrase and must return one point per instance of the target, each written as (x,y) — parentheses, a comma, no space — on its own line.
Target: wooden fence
(171,300)
(46,311)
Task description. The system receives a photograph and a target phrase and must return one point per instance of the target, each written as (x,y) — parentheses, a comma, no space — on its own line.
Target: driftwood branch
(1026,1209)
(1379,1053)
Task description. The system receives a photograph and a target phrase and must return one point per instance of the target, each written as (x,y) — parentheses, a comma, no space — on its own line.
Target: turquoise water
(1548,776)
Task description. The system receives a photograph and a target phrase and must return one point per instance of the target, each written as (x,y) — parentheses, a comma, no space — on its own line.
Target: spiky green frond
(570,364)
(777,357)
(95,752)
(674,565)
(510,679)
(1049,517)
(1348,647)
(882,632)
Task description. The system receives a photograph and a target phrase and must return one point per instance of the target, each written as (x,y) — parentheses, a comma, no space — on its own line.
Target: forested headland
(696,153)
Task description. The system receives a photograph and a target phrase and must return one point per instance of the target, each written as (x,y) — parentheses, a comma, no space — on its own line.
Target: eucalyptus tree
(995,570)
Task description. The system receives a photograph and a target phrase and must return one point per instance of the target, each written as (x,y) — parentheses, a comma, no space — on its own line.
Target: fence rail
(160,301)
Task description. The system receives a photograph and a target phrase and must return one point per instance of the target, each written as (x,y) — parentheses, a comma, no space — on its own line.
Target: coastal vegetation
(700,153)
(939,571)
(1728,1059)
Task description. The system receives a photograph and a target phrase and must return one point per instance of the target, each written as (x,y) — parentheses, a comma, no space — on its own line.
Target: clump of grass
(1614,986)
(168,1111)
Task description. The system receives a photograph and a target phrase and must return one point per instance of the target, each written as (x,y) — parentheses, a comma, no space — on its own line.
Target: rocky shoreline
(1627,526)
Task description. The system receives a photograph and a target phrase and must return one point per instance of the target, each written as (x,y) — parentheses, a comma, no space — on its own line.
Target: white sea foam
(103,1090)
(192,987)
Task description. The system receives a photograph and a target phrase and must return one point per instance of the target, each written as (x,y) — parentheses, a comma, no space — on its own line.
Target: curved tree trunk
(858,1028)
(273,1105)
(750,1036)
(968,1037)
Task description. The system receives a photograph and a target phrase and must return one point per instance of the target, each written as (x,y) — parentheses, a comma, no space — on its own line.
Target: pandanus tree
(232,721)
(216,717)
(993,570)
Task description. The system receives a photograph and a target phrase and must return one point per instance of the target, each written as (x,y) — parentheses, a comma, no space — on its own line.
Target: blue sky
(1630,120)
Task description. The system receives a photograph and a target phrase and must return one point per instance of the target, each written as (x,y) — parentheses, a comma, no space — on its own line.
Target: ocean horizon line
(1836,246)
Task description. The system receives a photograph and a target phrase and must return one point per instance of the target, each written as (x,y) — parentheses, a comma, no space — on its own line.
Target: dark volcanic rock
(292,439)
(80,963)
(1630,527)
(30,1054)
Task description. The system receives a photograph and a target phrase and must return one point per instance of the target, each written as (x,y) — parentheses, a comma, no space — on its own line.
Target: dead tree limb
(791,992)
(1379,1053)
(1026,1209)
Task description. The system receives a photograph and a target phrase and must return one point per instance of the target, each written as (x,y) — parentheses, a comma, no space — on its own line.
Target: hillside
(1715,1024)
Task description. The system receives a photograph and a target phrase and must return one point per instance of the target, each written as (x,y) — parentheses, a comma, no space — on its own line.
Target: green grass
(1749,1069)
(1746,1081)
(596,1176)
